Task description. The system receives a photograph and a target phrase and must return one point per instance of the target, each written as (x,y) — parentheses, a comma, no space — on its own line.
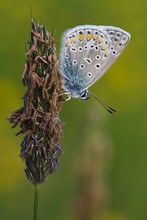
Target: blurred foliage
(123,87)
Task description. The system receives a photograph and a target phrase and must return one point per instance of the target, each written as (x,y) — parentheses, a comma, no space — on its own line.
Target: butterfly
(87,52)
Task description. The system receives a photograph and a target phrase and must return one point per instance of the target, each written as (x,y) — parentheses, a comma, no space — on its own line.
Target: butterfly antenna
(108,108)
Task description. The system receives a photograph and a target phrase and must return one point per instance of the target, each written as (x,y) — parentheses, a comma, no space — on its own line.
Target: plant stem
(36,193)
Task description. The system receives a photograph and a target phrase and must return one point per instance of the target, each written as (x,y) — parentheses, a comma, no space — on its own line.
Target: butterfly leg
(68,94)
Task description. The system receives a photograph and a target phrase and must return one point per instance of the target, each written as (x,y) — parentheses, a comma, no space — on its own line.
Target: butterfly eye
(84,95)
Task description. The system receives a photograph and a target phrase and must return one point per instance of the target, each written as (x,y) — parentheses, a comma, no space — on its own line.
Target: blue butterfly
(87,52)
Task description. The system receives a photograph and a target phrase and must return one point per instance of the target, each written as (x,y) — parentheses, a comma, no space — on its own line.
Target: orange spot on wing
(88,36)
(100,39)
(95,36)
(80,37)
(104,47)
(69,41)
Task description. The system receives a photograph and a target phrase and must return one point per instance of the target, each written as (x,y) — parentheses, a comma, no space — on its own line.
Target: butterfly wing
(88,52)
(117,39)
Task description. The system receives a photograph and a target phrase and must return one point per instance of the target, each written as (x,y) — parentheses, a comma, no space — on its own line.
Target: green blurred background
(103,170)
